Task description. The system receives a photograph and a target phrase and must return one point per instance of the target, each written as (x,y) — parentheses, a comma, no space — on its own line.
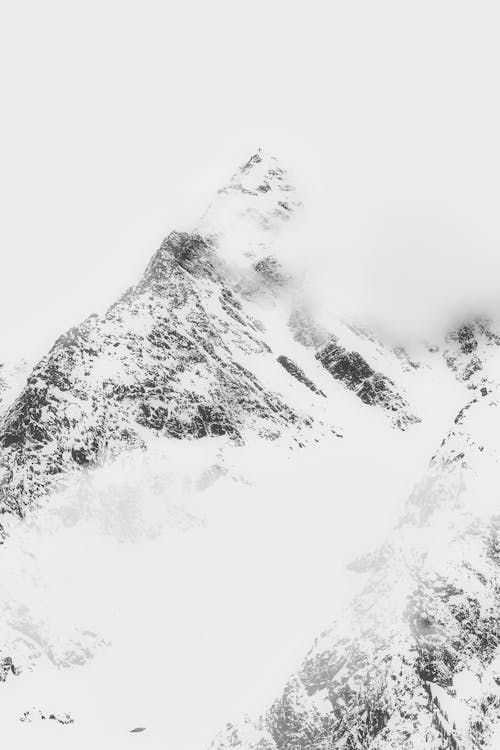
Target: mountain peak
(260,174)
(259,157)
(255,204)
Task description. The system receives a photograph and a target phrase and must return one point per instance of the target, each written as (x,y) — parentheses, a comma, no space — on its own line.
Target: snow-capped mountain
(200,346)
(177,355)
(218,350)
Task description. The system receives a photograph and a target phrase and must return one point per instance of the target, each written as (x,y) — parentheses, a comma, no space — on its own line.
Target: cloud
(386,114)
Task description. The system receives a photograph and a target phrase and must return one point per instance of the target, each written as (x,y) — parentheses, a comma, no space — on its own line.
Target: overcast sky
(119,120)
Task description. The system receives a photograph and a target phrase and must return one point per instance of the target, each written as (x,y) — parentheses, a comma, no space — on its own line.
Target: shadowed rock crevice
(299,374)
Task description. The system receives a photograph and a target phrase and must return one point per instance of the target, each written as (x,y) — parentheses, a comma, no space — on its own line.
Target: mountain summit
(248,213)
(175,356)
(192,351)
(189,352)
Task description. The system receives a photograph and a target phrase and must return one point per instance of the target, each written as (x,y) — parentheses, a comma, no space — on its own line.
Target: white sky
(119,120)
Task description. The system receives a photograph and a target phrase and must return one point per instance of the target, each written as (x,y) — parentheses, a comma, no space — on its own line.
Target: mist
(190,586)
(114,132)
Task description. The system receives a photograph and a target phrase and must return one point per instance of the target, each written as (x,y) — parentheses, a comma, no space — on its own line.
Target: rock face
(373,388)
(183,354)
(471,351)
(7,667)
(297,373)
(169,357)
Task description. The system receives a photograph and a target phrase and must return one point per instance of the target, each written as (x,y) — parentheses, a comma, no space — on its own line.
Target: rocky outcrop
(471,352)
(37,715)
(373,388)
(270,269)
(7,667)
(296,372)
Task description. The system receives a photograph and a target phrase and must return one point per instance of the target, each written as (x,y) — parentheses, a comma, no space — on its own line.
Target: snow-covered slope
(200,346)
(214,388)
(12,378)
(248,213)
(415,660)
(175,355)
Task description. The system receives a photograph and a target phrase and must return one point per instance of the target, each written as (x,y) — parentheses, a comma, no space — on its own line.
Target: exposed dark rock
(29,716)
(349,367)
(468,350)
(297,373)
(467,340)
(373,388)
(270,269)
(7,667)
(165,357)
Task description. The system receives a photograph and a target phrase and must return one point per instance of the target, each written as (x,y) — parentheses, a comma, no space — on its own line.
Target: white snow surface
(176,587)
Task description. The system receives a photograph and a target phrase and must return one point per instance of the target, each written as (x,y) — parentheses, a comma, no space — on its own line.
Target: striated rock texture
(297,373)
(373,388)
